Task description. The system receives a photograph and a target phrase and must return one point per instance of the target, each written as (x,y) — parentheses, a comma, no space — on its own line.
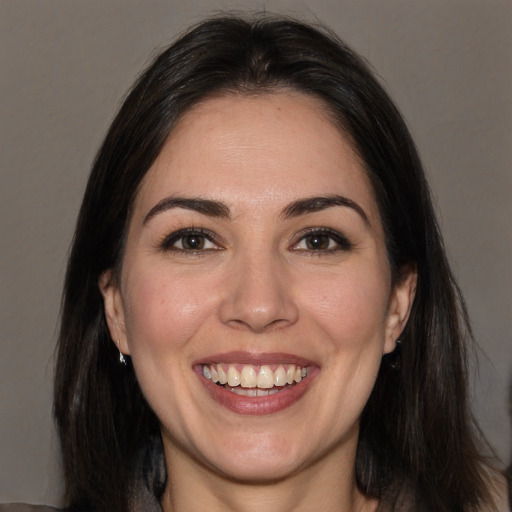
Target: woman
(258,310)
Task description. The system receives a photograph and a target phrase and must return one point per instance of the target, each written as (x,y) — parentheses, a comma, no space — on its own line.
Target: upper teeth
(249,376)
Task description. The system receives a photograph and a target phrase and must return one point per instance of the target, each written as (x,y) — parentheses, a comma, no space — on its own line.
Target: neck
(328,485)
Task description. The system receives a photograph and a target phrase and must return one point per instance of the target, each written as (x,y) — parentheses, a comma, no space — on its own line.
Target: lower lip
(258,405)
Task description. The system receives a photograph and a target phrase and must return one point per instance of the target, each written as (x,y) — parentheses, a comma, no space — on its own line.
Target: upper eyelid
(319,229)
(333,233)
(174,236)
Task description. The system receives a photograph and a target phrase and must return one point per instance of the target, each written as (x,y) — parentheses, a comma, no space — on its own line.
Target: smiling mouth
(255,380)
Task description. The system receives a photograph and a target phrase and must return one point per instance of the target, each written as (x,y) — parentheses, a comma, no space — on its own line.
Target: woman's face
(256,255)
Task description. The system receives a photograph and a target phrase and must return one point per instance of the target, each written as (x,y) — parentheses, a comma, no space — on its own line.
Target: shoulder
(23,507)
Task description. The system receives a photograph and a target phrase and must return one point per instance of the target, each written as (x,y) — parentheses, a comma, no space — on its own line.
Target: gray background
(64,67)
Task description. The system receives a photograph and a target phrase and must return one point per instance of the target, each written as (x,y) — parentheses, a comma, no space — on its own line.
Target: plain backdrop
(66,64)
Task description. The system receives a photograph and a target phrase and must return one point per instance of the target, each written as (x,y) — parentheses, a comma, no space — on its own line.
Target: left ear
(400,304)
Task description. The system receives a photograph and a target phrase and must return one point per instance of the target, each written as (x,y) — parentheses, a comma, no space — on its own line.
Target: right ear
(114,310)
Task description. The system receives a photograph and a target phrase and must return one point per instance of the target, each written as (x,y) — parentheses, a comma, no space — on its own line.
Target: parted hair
(416,429)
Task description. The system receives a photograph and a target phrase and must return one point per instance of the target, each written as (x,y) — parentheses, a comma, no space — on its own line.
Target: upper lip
(255,358)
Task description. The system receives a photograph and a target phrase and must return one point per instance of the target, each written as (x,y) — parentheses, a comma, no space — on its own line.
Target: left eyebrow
(316,204)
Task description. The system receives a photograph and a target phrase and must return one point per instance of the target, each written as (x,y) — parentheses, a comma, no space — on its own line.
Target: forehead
(257,149)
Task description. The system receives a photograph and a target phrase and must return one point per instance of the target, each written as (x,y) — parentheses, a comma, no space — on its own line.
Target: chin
(257,459)
(257,471)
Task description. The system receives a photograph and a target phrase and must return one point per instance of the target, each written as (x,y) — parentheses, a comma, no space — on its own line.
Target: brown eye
(193,242)
(322,240)
(317,242)
(190,240)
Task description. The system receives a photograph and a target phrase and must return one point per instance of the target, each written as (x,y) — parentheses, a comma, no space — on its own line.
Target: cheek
(163,312)
(351,307)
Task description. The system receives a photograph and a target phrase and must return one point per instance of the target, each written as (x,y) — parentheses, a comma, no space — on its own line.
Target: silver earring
(394,359)
(122,360)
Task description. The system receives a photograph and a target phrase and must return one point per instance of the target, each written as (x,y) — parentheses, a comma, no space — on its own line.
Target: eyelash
(329,235)
(205,237)
(169,241)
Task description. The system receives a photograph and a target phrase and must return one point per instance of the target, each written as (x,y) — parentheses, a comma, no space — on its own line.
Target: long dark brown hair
(417,429)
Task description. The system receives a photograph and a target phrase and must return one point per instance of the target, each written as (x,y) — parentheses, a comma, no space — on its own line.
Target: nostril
(258,327)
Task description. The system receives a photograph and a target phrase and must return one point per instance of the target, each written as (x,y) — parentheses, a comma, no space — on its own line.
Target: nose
(258,295)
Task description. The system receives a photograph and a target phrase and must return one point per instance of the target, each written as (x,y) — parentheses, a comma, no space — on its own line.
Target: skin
(257,286)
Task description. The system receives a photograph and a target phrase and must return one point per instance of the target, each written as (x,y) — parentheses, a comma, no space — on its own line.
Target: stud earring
(394,359)
(122,360)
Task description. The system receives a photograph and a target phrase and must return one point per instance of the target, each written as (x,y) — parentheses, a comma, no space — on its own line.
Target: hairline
(242,91)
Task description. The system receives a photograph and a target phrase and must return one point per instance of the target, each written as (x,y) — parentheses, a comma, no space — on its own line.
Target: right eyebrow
(198,204)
